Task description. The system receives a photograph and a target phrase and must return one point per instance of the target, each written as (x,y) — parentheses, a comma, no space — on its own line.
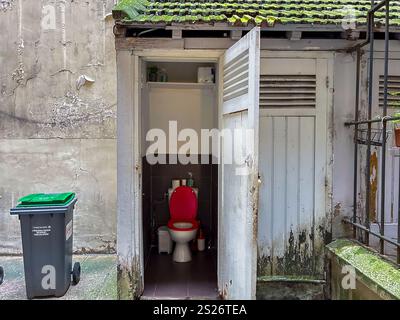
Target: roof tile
(244,12)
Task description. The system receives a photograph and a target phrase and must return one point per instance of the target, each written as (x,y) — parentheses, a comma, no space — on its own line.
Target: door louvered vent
(393,91)
(236,76)
(288,91)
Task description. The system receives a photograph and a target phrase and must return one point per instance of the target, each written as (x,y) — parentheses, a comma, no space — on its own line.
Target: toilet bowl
(183,225)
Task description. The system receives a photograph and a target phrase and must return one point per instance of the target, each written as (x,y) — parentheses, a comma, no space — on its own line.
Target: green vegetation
(243,12)
(369,264)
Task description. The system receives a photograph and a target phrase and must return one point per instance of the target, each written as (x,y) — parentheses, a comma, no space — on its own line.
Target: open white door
(239,73)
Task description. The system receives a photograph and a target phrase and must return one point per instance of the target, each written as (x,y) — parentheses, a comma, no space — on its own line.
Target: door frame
(129,233)
(130,276)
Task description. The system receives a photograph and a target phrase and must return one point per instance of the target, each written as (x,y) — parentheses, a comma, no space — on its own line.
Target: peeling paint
(337,209)
(129,281)
(71,112)
(19,74)
(303,255)
(374,185)
(6,5)
(107,248)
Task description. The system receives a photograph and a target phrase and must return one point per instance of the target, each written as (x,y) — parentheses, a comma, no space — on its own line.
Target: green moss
(244,12)
(130,8)
(289,278)
(369,264)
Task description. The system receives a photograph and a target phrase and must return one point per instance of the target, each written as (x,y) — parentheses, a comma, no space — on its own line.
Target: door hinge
(327,82)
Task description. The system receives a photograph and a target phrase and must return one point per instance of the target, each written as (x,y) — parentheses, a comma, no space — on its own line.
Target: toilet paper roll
(201,244)
(176,183)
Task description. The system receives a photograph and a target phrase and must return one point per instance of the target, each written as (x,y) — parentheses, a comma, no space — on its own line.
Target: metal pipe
(355,165)
(386,119)
(367,38)
(378,6)
(384,125)
(369,231)
(370,14)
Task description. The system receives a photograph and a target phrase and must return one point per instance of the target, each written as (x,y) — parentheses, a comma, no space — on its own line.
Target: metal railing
(365,228)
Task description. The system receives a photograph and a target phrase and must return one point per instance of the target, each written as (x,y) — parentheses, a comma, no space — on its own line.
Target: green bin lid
(46,199)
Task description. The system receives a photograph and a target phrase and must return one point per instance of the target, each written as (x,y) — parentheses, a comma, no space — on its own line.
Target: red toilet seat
(183,208)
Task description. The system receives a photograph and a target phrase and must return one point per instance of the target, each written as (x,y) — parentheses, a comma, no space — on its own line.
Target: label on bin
(68,230)
(41,231)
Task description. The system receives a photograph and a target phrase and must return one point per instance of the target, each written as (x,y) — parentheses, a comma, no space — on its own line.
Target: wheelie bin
(47,237)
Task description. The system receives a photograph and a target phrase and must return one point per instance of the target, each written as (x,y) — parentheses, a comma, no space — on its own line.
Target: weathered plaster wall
(343,141)
(54,137)
(358,273)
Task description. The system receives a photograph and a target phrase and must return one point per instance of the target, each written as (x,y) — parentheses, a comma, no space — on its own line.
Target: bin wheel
(76,273)
(1,275)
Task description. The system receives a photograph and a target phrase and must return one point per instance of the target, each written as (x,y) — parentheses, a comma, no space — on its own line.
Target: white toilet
(183,225)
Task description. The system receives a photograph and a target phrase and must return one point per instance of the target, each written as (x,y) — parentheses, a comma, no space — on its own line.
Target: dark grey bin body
(47,237)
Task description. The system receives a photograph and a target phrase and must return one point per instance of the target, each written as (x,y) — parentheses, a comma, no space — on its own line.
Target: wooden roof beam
(293,35)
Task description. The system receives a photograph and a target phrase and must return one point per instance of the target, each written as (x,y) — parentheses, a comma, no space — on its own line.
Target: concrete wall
(54,137)
(344,74)
(358,273)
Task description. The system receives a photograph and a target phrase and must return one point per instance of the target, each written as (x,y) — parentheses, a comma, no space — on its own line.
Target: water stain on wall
(374,185)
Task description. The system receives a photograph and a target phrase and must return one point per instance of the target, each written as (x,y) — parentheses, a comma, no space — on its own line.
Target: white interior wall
(193,108)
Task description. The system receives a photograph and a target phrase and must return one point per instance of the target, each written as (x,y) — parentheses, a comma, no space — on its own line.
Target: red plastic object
(183,204)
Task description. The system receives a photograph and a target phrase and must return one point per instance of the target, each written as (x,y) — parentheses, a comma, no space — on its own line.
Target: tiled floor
(165,279)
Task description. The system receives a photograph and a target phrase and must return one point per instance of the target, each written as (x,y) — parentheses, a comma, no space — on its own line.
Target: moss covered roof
(249,12)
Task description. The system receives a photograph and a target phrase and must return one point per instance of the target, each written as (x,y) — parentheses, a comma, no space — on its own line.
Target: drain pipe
(147,31)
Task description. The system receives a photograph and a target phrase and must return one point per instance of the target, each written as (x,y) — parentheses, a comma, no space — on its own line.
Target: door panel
(239,117)
(293,167)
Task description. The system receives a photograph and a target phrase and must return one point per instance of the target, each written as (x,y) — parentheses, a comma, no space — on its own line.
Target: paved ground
(98,279)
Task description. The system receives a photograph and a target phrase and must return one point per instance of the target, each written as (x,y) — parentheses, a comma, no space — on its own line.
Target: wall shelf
(180,85)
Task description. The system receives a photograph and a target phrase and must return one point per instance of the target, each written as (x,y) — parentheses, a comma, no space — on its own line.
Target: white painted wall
(191,107)
(343,139)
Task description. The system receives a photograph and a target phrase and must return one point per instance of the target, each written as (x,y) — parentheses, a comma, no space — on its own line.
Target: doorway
(237,91)
(178,100)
